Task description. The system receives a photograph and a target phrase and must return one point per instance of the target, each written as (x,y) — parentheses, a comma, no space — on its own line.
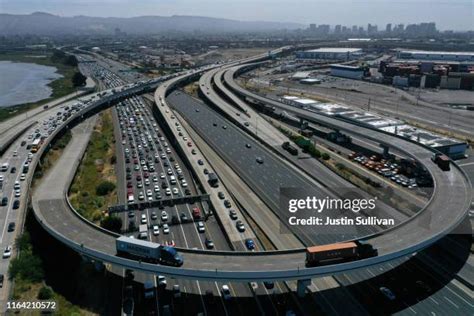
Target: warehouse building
(452,147)
(330,53)
(432,55)
(351,72)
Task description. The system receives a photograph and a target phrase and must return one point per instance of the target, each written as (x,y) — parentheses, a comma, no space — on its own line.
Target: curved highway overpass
(446,209)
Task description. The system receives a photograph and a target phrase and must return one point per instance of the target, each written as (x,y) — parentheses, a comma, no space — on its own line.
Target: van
(172,179)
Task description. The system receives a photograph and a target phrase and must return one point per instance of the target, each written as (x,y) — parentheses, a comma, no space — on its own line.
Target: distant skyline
(447,14)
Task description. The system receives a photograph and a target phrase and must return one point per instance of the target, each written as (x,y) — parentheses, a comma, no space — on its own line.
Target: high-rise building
(337,29)
(388,28)
(371,29)
(312,27)
(355,29)
(323,29)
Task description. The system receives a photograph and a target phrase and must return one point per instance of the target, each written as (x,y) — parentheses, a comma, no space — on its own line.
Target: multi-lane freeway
(446,209)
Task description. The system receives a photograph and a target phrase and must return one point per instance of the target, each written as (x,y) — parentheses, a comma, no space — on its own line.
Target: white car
(175,191)
(23,177)
(166,229)
(143,219)
(226,292)
(162,175)
(156,230)
(161,281)
(201,228)
(164,216)
(168,191)
(17,193)
(149,193)
(157,188)
(7,253)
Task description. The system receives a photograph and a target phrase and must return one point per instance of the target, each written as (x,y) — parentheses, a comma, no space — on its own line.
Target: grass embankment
(27,270)
(192,89)
(51,156)
(60,87)
(93,187)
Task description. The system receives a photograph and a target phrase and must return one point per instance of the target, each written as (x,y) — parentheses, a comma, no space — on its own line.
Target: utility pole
(368,106)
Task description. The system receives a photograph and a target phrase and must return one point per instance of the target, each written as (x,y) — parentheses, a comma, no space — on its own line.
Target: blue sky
(448,14)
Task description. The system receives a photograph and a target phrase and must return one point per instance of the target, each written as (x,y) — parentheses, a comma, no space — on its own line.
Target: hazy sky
(448,14)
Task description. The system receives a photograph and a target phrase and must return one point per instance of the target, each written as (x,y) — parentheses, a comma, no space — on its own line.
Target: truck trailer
(441,160)
(147,251)
(292,150)
(338,252)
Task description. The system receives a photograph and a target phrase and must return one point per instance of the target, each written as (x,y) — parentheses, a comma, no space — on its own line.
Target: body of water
(24,82)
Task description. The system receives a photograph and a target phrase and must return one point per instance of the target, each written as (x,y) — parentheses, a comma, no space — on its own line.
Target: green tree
(325,156)
(26,266)
(58,55)
(112,223)
(45,293)
(71,60)
(78,79)
(104,188)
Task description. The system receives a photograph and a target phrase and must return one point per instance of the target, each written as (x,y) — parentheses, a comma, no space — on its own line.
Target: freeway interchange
(446,208)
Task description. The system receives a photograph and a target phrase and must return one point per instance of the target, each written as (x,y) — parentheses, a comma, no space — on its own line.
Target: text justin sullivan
(343,221)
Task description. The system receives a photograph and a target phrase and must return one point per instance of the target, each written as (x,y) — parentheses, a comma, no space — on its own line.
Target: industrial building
(452,147)
(433,55)
(336,53)
(351,72)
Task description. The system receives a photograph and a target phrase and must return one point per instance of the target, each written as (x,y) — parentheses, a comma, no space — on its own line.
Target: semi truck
(441,160)
(339,252)
(292,150)
(147,251)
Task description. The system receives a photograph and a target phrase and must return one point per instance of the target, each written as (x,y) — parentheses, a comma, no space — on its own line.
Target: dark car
(11,227)
(221,195)
(4,201)
(233,214)
(16,204)
(209,243)
(227,203)
(184,218)
(1,280)
(250,244)
(13,170)
(240,226)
